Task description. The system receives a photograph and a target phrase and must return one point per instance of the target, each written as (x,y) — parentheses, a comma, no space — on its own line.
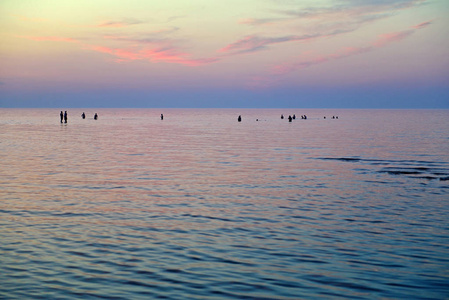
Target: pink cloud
(388,38)
(121,54)
(167,55)
(398,36)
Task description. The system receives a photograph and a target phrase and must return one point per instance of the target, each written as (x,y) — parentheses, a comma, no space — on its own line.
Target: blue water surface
(200,206)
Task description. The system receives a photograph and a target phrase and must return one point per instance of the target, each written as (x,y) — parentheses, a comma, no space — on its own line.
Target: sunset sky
(233,53)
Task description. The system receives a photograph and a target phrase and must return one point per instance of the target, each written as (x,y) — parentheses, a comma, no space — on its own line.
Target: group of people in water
(63,116)
(83,115)
(290,118)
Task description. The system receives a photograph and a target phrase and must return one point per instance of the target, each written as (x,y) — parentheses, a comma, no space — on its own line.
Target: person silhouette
(61,115)
(65,117)
(239,119)
(83,115)
(95,116)
(282,117)
(162,116)
(289,118)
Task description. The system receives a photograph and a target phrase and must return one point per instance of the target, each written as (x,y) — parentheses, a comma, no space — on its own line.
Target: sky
(220,54)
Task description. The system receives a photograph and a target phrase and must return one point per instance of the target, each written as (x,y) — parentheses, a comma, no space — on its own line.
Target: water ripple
(202,207)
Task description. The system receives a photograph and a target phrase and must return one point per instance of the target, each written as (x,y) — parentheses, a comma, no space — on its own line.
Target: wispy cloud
(260,21)
(173,18)
(355,11)
(342,17)
(123,23)
(422,25)
(154,37)
(255,43)
(353,8)
(382,41)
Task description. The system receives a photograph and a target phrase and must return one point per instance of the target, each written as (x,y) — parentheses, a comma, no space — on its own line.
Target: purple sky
(201,53)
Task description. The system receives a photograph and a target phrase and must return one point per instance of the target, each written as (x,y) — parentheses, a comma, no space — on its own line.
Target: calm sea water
(199,206)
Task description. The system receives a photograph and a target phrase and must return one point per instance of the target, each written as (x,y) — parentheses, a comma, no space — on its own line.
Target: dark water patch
(51,173)
(335,295)
(426,177)
(425,163)
(220,219)
(350,159)
(402,285)
(418,173)
(396,171)
(375,222)
(78,253)
(13,212)
(174,271)
(377,264)
(152,178)
(137,283)
(417,169)
(245,287)
(288,176)
(309,261)
(70,214)
(329,281)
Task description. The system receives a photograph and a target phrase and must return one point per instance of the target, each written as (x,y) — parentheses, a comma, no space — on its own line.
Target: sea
(346,204)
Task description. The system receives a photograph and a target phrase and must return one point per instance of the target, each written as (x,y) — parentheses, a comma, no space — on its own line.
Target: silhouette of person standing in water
(95,116)
(162,116)
(65,117)
(290,118)
(239,119)
(83,115)
(61,115)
